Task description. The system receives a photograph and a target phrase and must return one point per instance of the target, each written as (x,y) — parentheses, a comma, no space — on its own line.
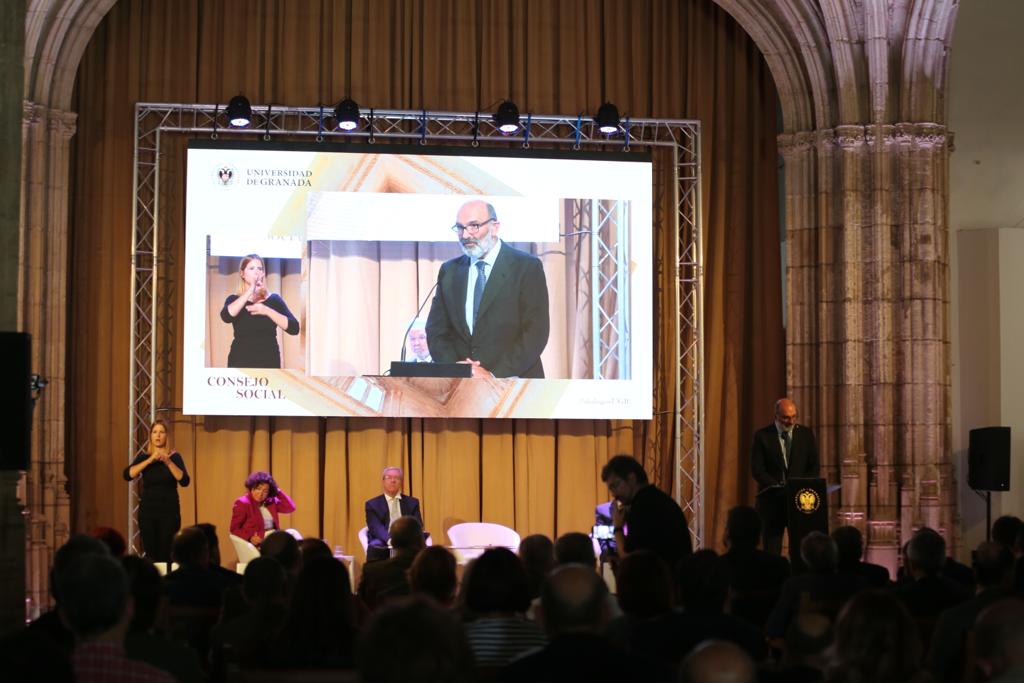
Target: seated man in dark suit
(851,549)
(384,510)
(390,578)
(490,308)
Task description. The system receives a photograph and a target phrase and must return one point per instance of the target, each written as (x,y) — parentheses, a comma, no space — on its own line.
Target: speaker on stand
(988,466)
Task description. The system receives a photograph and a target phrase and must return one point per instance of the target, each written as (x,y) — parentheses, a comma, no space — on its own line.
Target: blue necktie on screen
(478,290)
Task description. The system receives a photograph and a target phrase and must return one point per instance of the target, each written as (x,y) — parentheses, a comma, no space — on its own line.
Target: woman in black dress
(256,314)
(163,471)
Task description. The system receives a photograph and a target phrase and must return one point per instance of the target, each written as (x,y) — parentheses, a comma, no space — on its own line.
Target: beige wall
(987,245)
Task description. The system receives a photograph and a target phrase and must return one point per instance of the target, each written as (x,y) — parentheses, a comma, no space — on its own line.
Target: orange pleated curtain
(654,58)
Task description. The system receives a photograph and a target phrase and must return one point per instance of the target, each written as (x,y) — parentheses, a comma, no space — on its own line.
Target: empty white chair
(471,539)
(364,539)
(245,550)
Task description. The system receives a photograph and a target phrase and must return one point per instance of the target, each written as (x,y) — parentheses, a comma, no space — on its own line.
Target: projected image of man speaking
(491,305)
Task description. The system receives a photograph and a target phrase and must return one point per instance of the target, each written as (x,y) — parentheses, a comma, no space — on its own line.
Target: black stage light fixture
(239,111)
(346,114)
(607,118)
(507,117)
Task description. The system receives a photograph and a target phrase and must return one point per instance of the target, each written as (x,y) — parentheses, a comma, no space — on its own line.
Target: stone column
(46,136)
(867,344)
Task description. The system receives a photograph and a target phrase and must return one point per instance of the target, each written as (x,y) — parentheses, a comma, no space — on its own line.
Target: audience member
(574,614)
(821,589)
(927,593)
(999,642)
(495,596)
(111,538)
(993,570)
(875,641)
(575,548)
(433,574)
(319,632)
(717,661)
(386,579)
(310,548)
(537,554)
(142,643)
(97,607)
(756,577)
(850,543)
(283,547)
(412,640)
(193,584)
(803,651)
(246,639)
(227,575)
(1005,531)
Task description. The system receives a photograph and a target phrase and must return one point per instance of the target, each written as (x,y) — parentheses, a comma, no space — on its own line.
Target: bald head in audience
(999,638)
(573,600)
(717,661)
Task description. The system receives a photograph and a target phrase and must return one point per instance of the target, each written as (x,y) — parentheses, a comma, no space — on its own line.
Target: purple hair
(257,478)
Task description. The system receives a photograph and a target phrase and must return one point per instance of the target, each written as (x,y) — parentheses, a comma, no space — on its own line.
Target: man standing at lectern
(491,305)
(783,450)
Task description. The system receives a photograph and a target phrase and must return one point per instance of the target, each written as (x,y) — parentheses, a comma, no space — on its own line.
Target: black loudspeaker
(988,459)
(15,400)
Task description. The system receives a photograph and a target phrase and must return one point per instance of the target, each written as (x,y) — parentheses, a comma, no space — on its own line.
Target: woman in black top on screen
(163,471)
(256,314)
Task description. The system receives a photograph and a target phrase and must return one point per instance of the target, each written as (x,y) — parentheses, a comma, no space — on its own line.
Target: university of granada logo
(226,175)
(807,501)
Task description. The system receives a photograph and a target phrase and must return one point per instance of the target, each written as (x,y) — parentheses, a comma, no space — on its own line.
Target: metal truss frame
(151,362)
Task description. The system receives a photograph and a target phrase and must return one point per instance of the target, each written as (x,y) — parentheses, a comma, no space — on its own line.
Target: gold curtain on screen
(654,58)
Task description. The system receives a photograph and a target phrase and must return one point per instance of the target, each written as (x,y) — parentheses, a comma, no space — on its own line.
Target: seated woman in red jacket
(255,513)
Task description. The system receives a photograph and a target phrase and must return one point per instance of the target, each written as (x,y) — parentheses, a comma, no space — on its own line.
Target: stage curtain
(654,58)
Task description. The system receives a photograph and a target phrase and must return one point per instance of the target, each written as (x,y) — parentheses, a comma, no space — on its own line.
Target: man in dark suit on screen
(491,305)
(384,510)
(783,450)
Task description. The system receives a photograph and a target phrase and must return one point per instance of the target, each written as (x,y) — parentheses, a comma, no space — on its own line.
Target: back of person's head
(283,547)
(146,588)
(819,553)
(537,553)
(264,580)
(94,595)
(999,638)
(717,661)
(807,638)
(926,552)
(495,582)
(210,531)
(573,599)
(1005,530)
(322,601)
(111,538)
(850,545)
(407,534)
(622,466)
(413,640)
(310,548)
(77,546)
(875,640)
(575,548)
(702,582)
(644,585)
(190,548)
(433,573)
(742,528)
(993,565)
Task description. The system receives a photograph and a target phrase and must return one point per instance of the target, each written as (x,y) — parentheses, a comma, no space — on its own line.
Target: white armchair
(471,539)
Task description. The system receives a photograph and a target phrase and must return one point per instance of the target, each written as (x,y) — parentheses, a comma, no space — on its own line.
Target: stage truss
(152,370)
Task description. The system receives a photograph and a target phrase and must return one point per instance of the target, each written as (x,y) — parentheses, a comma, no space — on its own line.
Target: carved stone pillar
(867,340)
(46,135)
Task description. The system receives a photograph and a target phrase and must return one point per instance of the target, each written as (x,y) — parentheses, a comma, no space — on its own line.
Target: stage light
(239,111)
(607,118)
(507,117)
(346,114)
